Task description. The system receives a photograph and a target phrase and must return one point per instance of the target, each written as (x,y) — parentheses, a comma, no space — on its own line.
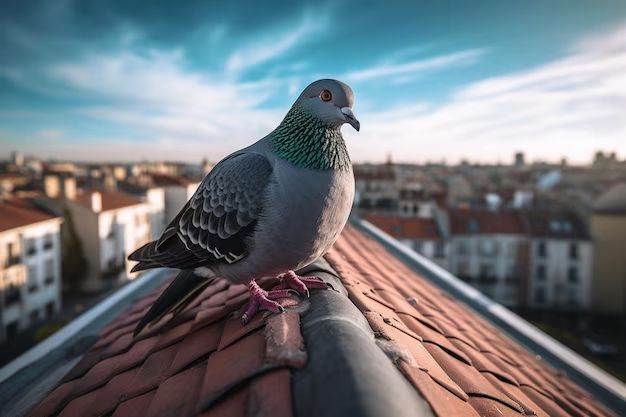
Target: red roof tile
(405,227)
(205,363)
(111,200)
(480,222)
(478,369)
(18,212)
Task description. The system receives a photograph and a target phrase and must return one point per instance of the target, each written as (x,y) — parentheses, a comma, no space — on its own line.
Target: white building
(376,188)
(30,265)
(560,261)
(486,251)
(178,191)
(110,225)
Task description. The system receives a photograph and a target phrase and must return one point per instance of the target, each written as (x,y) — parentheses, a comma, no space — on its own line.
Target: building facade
(608,231)
(30,265)
(560,261)
(486,250)
(110,225)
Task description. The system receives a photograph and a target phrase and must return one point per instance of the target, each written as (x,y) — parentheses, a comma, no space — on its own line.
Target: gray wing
(215,224)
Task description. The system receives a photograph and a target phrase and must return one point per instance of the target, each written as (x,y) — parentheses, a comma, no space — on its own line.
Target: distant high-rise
(17,158)
(519,159)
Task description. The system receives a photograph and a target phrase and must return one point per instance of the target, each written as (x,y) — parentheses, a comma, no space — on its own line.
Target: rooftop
(164,180)
(384,341)
(466,221)
(111,200)
(19,212)
(612,201)
(557,224)
(405,227)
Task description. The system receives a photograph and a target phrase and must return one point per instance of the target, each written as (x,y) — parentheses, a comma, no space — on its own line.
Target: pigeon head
(331,101)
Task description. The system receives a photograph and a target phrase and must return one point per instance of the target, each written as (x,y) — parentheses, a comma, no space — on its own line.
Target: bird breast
(304,212)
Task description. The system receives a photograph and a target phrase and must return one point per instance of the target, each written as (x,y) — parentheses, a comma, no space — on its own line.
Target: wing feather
(216,223)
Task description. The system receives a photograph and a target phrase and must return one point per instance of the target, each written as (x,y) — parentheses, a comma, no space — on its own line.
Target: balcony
(12,260)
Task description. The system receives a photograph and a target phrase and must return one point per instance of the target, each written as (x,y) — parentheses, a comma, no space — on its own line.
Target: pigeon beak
(349,117)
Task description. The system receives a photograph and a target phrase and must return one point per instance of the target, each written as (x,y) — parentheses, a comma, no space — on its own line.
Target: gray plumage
(274,206)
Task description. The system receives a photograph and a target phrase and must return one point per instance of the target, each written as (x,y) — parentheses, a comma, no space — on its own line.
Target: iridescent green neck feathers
(303,140)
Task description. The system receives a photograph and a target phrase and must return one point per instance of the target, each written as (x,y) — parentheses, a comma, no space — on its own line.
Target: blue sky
(128,80)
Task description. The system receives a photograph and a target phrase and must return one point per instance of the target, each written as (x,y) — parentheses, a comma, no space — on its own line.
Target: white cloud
(270,46)
(566,107)
(417,67)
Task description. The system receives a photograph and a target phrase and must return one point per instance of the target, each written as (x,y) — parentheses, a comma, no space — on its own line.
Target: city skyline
(112,82)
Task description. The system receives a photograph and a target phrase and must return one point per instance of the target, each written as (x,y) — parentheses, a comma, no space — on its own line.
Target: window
(12,294)
(34,316)
(12,329)
(487,271)
(473,226)
(462,270)
(540,295)
(541,249)
(440,249)
(49,271)
(31,247)
(12,255)
(572,274)
(540,272)
(32,279)
(573,251)
(417,246)
(48,241)
(462,247)
(50,309)
(488,247)
(512,249)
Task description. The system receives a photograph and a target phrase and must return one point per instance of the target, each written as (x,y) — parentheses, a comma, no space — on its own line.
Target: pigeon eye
(326,95)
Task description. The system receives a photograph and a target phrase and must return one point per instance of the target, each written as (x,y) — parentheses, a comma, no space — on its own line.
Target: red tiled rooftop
(405,227)
(18,212)
(465,221)
(455,360)
(111,200)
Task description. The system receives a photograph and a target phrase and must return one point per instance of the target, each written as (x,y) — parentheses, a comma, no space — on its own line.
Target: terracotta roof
(111,200)
(405,227)
(465,221)
(205,363)
(163,180)
(18,212)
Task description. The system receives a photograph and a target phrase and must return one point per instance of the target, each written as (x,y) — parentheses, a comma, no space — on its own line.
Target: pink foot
(263,300)
(290,280)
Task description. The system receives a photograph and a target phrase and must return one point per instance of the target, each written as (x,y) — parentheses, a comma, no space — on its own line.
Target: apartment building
(109,225)
(560,260)
(376,188)
(423,235)
(486,250)
(608,231)
(30,264)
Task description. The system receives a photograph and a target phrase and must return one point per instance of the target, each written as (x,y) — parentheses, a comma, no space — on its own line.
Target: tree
(73,263)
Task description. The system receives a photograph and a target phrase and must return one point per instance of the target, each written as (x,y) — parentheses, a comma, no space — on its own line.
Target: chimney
(110,183)
(52,186)
(96,202)
(69,188)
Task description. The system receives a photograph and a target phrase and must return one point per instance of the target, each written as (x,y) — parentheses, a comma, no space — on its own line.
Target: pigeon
(266,210)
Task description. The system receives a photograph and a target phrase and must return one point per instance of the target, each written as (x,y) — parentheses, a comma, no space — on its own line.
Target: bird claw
(290,284)
(301,284)
(263,300)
